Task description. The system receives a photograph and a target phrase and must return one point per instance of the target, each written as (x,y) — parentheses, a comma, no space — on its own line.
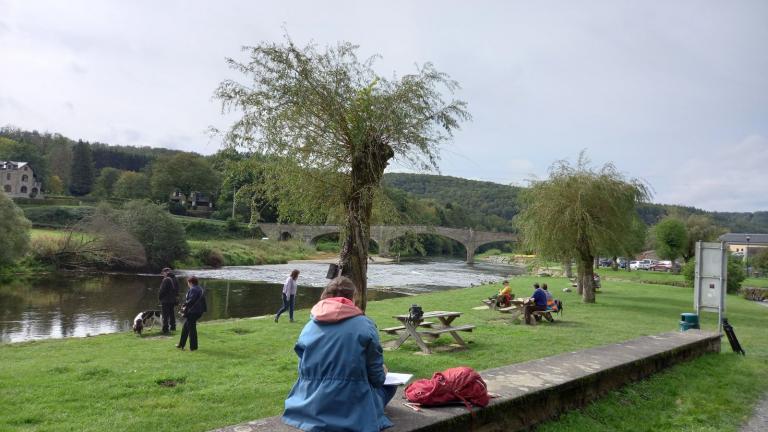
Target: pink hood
(334,309)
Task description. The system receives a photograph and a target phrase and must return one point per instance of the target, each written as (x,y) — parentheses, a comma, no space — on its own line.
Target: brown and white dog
(146,319)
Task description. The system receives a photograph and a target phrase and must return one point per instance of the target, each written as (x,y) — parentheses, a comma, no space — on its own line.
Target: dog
(146,319)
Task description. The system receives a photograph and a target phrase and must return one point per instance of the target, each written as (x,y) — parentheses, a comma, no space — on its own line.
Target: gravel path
(759,420)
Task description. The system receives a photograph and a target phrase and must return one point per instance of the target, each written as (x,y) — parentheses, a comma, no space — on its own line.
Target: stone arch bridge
(384,234)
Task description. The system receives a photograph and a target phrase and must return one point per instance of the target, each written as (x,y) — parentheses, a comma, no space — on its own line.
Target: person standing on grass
(169,298)
(340,386)
(289,295)
(193,308)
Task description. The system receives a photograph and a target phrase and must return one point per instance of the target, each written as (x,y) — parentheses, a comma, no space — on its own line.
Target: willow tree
(578,211)
(339,124)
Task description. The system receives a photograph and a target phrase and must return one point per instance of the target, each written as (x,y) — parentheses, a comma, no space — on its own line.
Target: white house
(18,180)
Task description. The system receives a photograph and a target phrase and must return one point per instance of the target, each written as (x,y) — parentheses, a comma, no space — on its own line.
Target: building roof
(741,238)
(12,164)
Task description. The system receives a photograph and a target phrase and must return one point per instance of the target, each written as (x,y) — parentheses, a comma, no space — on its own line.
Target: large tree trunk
(368,166)
(615,264)
(568,268)
(586,275)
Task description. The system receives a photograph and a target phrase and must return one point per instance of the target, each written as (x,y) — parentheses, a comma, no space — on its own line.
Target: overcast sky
(673,92)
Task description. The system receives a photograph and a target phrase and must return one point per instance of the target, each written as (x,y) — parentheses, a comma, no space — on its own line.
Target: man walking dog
(169,298)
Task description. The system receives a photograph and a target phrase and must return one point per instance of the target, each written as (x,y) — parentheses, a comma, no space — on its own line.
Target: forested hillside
(485,198)
(105,171)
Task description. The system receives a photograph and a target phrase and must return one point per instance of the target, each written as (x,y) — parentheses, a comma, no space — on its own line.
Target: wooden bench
(396,330)
(438,331)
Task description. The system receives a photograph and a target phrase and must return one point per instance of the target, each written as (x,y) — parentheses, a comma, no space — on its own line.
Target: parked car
(646,264)
(605,262)
(634,265)
(662,266)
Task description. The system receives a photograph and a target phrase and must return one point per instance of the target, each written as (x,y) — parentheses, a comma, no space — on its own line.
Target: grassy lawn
(245,368)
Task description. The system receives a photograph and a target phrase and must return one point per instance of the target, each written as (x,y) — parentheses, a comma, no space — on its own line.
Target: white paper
(397,378)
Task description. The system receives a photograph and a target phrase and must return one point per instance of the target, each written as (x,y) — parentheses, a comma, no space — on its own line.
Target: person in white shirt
(289,295)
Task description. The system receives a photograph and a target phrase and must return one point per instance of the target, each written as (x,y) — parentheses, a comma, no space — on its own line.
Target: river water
(65,305)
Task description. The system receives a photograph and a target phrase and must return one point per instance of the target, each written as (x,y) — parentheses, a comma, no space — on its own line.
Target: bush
(210,257)
(14,240)
(757,294)
(735,273)
(56,216)
(161,235)
(327,246)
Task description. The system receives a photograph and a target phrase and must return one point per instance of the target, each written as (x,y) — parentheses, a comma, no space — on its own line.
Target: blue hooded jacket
(340,367)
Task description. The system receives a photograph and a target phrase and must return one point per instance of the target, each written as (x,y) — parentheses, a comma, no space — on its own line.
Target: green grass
(249,252)
(755,282)
(245,368)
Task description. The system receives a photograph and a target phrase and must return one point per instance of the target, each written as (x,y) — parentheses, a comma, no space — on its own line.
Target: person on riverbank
(341,368)
(537,302)
(289,295)
(193,308)
(169,298)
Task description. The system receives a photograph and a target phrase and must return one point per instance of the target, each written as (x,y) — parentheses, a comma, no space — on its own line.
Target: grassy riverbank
(245,367)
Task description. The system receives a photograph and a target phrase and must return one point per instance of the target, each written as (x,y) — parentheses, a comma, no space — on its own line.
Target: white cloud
(730,178)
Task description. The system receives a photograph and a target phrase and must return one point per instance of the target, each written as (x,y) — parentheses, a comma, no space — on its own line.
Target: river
(67,305)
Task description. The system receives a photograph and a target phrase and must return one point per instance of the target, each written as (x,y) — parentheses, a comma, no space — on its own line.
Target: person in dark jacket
(537,302)
(341,368)
(194,307)
(169,298)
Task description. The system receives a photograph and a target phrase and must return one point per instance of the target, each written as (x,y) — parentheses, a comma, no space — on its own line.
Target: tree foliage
(105,182)
(579,211)
(340,124)
(24,152)
(670,238)
(185,172)
(82,175)
(158,232)
(760,260)
(14,240)
(699,228)
(131,185)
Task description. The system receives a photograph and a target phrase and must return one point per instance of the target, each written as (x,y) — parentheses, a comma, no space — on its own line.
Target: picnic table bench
(517,310)
(429,330)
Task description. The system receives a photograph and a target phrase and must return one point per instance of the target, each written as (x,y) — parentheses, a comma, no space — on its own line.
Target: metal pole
(746,257)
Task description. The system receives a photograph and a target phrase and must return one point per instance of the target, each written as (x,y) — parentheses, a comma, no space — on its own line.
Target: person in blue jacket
(537,302)
(194,307)
(341,368)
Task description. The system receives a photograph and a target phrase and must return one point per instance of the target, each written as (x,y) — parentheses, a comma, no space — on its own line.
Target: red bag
(452,385)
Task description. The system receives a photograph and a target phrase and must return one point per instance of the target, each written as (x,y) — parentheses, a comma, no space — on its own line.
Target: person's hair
(294,274)
(536,285)
(506,282)
(339,287)
(192,280)
(166,270)
(544,287)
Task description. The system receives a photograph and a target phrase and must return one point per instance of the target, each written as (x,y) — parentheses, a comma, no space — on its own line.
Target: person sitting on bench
(504,298)
(551,302)
(537,302)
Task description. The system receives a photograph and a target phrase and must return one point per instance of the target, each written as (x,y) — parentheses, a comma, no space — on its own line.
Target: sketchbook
(397,378)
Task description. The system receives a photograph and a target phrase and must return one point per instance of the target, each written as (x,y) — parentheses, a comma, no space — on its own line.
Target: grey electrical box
(710,282)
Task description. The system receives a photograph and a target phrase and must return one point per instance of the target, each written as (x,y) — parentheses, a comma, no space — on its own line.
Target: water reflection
(61,306)
(57,307)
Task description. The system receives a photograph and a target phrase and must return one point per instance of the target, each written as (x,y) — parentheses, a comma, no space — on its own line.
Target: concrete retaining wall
(535,391)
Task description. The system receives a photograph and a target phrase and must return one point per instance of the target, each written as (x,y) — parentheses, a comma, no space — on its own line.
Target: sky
(674,93)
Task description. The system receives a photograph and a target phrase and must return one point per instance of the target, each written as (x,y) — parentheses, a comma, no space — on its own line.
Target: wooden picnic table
(429,330)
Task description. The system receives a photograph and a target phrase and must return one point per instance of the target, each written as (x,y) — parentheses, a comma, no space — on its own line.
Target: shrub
(210,257)
(161,235)
(753,293)
(735,273)
(56,216)
(14,240)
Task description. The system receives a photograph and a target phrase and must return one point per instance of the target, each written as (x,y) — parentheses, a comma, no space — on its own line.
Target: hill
(482,198)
